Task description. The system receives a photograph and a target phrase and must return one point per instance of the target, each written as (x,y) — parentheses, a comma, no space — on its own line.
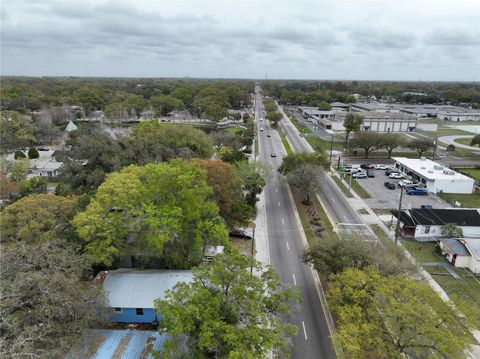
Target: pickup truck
(416,191)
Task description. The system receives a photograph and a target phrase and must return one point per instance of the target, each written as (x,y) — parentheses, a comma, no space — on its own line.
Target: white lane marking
(288,247)
(274,179)
(283,222)
(276,189)
(304,330)
(279,204)
(295,281)
(346,220)
(334,201)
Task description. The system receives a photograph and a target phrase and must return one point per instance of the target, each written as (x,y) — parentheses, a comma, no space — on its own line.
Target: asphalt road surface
(285,245)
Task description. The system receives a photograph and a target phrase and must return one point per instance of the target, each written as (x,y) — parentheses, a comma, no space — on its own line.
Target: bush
(19,155)
(33,153)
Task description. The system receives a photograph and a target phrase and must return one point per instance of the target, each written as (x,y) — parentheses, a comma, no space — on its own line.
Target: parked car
(359,175)
(269,135)
(273,154)
(389,171)
(370,172)
(415,191)
(366,166)
(396,175)
(261,128)
(381,167)
(241,233)
(352,170)
(390,185)
(405,183)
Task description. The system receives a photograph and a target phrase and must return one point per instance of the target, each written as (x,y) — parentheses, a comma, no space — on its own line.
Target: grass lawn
(323,217)
(302,128)
(342,186)
(467,200)
(423,252)
(359,189)
(285,143)
(444,131)
(303,217)
(464,141)
(320,145)
(471,172)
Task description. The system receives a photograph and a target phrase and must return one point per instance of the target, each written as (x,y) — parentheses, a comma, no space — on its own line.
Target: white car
(396,175)
(359,175)
(404,183)
(381,167)
(261,128)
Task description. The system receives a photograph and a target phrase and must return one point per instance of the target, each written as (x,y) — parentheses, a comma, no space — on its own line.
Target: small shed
(462,252)
(131,293)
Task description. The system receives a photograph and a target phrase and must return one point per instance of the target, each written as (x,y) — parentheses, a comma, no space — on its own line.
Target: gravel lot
(382,197)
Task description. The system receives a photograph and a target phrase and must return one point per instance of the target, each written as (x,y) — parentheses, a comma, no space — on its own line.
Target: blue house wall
(129,315)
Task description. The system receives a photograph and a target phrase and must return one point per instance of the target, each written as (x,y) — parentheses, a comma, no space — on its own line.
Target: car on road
(396,175)
(390,185)
(416,191)
(405,183)
(381,167)
(359,175)
(261,128)
(273,154)
(269,135)
(370,172)
(241,233)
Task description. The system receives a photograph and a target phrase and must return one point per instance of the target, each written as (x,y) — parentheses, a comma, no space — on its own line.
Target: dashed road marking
(304,330)
(295,281)
(288,247)
(279,204)
(283,222)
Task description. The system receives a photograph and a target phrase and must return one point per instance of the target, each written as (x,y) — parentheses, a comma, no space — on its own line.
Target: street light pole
(434,148)
(397,228)
(252,251)
(331,149)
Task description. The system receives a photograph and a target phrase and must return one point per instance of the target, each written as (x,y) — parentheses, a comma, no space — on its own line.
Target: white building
(372,121)
(44,167)
(434,176)
(462,252)
(426,224)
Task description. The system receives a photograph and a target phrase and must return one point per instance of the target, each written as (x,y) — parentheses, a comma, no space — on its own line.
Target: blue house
(131,292)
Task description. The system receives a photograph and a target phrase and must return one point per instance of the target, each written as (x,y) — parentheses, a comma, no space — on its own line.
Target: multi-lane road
(286,246)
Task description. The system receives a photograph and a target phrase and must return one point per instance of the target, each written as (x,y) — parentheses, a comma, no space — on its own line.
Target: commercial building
(131,293)
(435,177)
(426,224)
(372,121)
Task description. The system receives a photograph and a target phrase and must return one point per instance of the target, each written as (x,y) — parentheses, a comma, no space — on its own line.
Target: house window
(427,229)
(118,310)
(139,311)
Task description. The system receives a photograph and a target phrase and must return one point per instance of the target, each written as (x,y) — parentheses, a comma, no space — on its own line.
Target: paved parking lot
(382,197)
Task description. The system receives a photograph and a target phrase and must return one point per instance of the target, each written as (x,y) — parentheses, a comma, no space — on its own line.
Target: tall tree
(90,98)
(44,306)
(227,313)
(160,210)
(307,178)
(162,105)
(294,160)
(394,317)
(352,123)
(389,142)
(368,141)
(475,141)
(16,131)
(19,170)
(421,145)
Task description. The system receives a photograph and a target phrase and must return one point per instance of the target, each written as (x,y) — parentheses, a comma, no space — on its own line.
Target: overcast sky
(336,39)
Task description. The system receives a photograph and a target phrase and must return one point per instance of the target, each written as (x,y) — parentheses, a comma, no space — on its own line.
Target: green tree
(16,131)
(368,141)
(134,105)
(161,210)
(295,160)
(34,185)
(452,230)
(352,123)
(46,305)
(38,217)
(228,192)
(184,94)
(33,153)
(19,170)
(274,117)
(475,141)
(393,317)
(254,177)
(307,178)
(421,145)
(90,98)
(227,313)
(324,106)
(269,105)
(389,142)
(162,105)
(19,155)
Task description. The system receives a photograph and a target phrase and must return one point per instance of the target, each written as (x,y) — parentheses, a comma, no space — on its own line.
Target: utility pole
(252,251)
(331,149)
(397,228)
(350,185)
(434,148)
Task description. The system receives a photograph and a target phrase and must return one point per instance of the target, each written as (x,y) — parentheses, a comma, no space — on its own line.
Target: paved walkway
(447,266)
(450,140)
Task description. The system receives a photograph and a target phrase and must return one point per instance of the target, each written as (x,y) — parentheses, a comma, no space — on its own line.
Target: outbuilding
(462,252)
(131,293)
(435,177)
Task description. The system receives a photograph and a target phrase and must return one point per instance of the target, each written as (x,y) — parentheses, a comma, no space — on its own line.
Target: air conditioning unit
(430,171)
(437,167)
(423,168)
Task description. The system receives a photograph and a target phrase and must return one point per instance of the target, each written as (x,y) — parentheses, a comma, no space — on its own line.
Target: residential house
(131,293)
(426,224)
(462,252)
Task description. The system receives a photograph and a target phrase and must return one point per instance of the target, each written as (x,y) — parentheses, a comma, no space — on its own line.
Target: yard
(423,251)
(471,172)
(464,141)
(466,200)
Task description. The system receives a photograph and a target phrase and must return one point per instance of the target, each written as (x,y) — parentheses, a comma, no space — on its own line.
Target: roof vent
(437,167)
(423,168)
(430,171)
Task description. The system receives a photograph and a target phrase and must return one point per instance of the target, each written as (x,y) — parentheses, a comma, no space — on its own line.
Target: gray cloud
(333,39)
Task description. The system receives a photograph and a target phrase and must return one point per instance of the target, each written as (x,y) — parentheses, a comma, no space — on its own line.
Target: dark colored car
(366,166)
(390,185)
(389,171)
(241,233)
(273,154)
(370,172)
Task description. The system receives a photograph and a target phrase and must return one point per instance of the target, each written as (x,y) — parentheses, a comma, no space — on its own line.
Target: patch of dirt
(243,245)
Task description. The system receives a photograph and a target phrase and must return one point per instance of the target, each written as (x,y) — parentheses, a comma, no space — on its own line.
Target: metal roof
(473,246)
(118,344)
(131,288)
(454,246)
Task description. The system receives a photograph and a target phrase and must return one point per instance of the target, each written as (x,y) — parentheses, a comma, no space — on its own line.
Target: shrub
(33,153)
(19,155)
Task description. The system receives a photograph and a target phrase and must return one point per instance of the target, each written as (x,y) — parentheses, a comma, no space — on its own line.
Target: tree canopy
(421,145)
(16,131)
(163,210)
(369,141)
(225,312)
(295,160)
(352,123)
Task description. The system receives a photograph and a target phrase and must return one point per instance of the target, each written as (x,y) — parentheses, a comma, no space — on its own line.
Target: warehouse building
(372,121)
(435,177)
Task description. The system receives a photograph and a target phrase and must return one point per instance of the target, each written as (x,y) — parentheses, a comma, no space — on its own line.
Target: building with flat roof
(372,121)
(131,293)
(435,177)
